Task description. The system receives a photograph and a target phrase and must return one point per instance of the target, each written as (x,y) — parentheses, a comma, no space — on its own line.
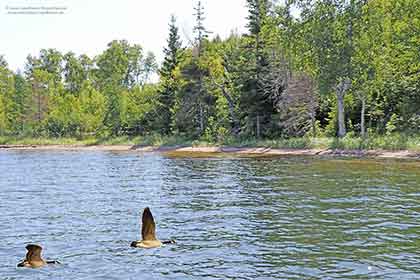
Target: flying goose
(148,233)
(33,257)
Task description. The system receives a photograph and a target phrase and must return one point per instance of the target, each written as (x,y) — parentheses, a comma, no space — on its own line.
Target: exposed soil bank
(196,151)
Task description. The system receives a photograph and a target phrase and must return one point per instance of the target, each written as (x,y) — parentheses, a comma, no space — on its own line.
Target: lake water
(233,218)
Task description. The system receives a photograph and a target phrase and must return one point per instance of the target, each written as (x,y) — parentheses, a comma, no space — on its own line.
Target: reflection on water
(233,218)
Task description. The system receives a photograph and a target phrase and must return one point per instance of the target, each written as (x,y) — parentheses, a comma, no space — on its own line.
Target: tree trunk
(231,105)
(258,127)
(313,123)
(38,102)
(201,118)
(236,125)
(341,90)
(362,118)
(341,116)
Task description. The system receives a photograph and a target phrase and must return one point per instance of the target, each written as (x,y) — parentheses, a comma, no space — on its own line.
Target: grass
(41,141)
(151,140)
(387,142)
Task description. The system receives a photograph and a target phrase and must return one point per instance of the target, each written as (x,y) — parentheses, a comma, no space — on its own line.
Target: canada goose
(33,257)
(148,232)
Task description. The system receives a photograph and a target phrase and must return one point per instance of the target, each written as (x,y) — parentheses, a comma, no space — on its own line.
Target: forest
(303,68)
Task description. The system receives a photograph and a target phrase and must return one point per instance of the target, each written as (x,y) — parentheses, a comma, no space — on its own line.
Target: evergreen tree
(201,33)
(41,84)
(194,103)
(21,100)
(169,82)
(256,105)
(200,96)
(7,93)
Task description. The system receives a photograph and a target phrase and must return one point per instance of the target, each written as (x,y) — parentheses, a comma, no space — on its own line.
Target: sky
(87,26)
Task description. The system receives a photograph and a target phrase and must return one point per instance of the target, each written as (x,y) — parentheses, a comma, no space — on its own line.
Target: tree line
(304,67)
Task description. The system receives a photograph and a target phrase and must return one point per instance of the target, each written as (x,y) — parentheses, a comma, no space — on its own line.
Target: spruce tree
(194,104)
(201,34)
(172,51)
(200,31)
(168,80)
(256,105)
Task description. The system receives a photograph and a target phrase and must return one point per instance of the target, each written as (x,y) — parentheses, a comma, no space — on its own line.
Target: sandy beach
(242,151)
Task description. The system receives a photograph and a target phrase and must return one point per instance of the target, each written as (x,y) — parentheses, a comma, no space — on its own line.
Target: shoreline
(213,150)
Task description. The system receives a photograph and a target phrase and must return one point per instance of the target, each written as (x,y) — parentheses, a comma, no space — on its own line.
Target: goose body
(33,257)
(148,233)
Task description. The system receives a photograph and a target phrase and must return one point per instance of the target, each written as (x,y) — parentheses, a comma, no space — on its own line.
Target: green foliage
(391,125)
(388,142)
(64,118)
(359,59)
(7,104)
(3,116)
(141,104)
(169,80)
(92,110)
(76,116)
(75,73)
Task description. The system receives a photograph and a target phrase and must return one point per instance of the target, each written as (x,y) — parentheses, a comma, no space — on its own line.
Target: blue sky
(88,25)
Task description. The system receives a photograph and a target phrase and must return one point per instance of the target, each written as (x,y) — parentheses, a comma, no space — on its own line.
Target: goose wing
(148,228)
(34,252)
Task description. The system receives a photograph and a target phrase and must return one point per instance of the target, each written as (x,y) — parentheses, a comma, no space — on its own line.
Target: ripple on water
(233,218)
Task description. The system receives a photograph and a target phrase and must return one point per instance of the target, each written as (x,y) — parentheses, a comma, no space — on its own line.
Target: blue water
(232,218)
